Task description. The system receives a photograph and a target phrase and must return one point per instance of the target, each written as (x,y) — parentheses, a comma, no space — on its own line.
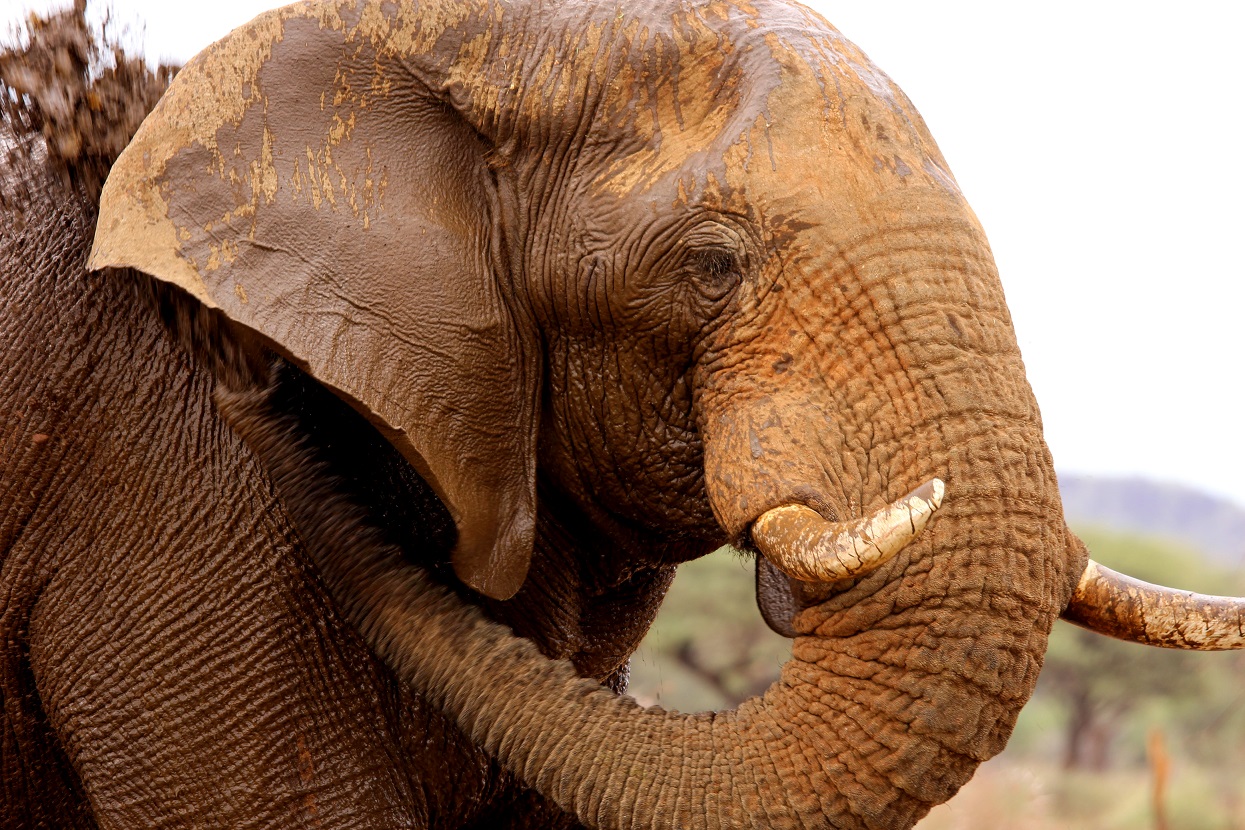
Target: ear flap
(301,179)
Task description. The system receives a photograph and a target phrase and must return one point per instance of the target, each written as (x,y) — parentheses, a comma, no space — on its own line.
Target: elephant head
(701,267)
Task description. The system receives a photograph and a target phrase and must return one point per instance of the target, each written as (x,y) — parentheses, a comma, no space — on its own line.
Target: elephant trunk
(856,732)
(907,676)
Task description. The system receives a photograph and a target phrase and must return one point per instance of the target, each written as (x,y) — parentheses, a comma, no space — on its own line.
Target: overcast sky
(1100,144)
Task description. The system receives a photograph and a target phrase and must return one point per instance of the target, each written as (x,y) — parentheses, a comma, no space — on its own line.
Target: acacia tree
(1100,683)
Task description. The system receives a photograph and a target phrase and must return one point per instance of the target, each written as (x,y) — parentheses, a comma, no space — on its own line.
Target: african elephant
(609,285)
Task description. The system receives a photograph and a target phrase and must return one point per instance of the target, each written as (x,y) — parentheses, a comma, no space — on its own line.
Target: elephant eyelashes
(720,268)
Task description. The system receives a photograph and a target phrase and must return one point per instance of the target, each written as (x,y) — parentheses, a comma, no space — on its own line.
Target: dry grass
(1023,796)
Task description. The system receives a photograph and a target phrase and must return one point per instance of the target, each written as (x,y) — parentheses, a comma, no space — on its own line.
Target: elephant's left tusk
(1129,609)
(803,545)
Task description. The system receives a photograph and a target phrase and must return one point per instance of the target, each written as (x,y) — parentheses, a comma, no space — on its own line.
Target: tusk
(803,545)
(1129,609)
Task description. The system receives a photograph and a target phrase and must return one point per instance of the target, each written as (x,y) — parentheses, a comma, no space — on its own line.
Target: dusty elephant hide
(524,303)
(168,653)
(744,279)
(654,271)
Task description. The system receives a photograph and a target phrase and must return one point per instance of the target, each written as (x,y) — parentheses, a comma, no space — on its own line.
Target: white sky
(1100,144)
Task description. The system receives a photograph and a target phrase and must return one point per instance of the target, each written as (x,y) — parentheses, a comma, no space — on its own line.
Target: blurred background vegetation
(1116,736)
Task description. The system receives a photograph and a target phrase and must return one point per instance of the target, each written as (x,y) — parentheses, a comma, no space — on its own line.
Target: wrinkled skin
(168,655)
(613,282)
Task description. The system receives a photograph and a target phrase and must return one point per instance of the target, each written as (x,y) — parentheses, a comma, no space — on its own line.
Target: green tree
(709,647)
(1099,682)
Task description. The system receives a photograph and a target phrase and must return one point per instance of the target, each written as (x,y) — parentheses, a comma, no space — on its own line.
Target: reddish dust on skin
(307,774)
(76,95)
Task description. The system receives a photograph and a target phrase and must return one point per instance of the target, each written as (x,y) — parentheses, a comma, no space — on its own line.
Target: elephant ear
(300,178)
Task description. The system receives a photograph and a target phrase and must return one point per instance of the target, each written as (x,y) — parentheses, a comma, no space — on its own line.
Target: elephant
(494,313)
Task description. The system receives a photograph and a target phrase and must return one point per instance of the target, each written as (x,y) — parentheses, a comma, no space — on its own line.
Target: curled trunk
(857,732)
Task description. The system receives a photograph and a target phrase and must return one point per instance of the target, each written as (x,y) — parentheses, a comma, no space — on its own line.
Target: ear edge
(158,216)
(494,563)
(495,570)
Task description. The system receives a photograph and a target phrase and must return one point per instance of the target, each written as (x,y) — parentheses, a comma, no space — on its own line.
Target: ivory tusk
(1128,609)
(803,545)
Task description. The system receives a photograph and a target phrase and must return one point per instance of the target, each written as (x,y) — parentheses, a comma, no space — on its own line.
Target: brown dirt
(71,98)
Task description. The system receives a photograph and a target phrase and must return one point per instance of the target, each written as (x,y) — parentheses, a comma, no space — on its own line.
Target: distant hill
(1213,525)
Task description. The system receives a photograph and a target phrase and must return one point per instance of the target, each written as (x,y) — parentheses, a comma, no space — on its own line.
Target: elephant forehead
(800,122)
(835,136)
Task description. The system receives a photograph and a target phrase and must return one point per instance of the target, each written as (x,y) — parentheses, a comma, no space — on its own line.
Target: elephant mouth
(803,545)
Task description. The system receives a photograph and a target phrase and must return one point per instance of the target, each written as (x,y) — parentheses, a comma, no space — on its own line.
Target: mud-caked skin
(546,298)
(679,264)
(168,656)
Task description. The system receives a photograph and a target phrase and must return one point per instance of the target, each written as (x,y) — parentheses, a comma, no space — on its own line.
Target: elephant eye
(720,266)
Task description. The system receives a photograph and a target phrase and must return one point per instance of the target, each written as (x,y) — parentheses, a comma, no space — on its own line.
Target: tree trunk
(1080,721)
